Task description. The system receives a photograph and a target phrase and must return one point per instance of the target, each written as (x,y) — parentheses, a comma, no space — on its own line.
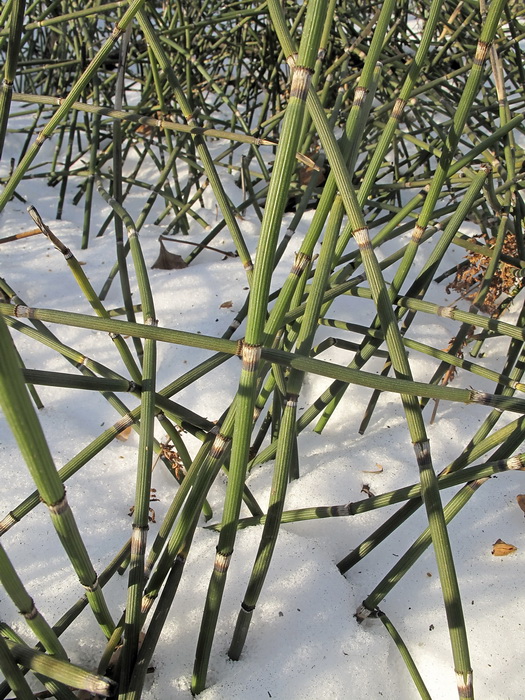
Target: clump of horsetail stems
(429,100)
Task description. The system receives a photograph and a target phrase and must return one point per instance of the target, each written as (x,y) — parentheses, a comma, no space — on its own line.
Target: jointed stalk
(251,349)
(13,48)
(67,103)
(21,416)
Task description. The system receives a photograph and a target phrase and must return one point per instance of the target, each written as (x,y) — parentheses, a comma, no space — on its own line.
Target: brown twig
(17,236)
(199,245)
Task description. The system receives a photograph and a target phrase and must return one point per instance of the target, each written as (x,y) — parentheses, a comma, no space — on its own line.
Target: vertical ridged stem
(438,180)
(287,439)
(270,227)
(190,483)
(296,280)
(462,112)
(430,491)
(207,464)
(93,154)
(416,426)
(355,123)
(117,191)
(414,71)
(136,579)
(158,619)
(13,48)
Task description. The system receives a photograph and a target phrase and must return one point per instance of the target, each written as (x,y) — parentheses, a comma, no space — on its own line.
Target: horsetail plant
(430,491)
(423,541)
(251,348)
(286,441)
(59,670)
(132,624)
(17,407)
(386,134)
(68,101)
(15,32)
(12,673)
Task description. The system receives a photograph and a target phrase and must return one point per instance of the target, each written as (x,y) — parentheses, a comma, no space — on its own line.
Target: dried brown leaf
(379,469)
(306,160)
(167,260)
(503,281)
(521,501)
(145,129)
(226,305)
(502,549)
(124,434)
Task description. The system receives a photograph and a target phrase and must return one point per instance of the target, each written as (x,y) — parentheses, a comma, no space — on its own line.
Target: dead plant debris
(504,281)
(502,549)
(167,260)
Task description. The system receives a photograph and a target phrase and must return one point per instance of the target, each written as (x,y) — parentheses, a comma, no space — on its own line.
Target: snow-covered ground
(304,641)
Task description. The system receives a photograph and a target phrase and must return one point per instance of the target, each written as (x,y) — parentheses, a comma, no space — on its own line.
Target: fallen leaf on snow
(167,260)
(374,471)
(521,501)
(226,305)
(501,549)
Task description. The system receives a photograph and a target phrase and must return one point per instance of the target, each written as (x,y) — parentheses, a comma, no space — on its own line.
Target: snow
(304,641)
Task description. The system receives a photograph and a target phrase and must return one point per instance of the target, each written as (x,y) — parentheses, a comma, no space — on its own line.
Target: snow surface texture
(304,641)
